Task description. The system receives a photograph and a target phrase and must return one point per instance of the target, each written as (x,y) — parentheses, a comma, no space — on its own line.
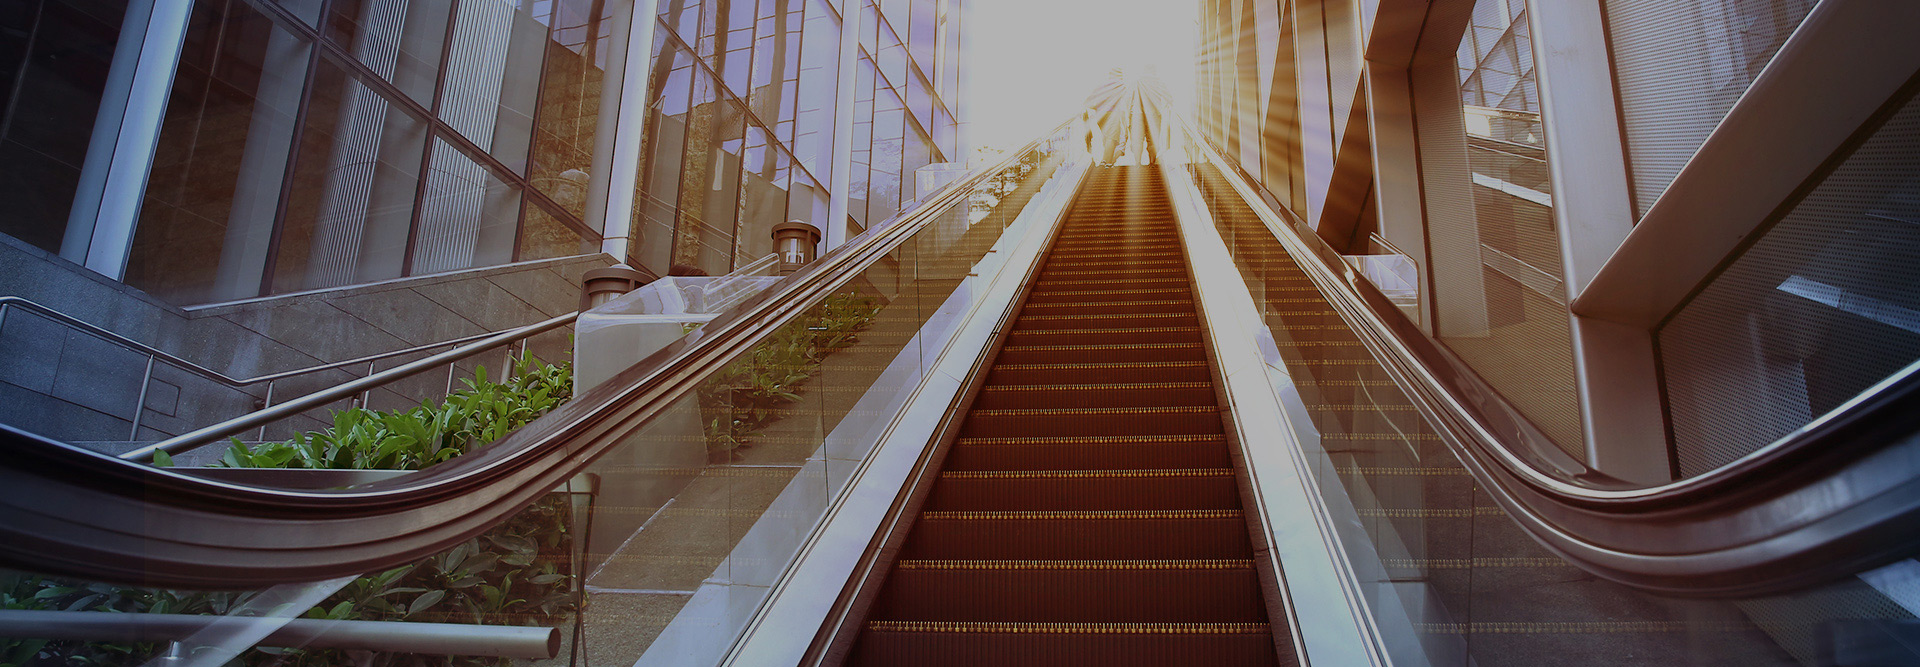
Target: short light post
(598,286)
(797,243)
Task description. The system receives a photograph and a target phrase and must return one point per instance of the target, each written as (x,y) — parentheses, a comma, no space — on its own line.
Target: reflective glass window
(207,221)
(574,91)
(400,41)
(468,215)
(656,207)
(889,127)
(493,77)
(55,64)
(352,197)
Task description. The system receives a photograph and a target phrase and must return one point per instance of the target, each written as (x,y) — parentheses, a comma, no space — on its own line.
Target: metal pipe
(267,403)
(199,437)
(140,401)
(499,641)
(208,373)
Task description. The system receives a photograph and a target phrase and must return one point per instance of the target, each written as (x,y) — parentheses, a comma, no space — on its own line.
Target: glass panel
(1820,308)
(924,31)
(733,42)
(1496,267)
(215,186)
(399,41)
(703,507)
(863,116)
(55,68)
(468,216)
(492,81)
(763,198)
(813,134)
(354,183)
(709,181)
(889,127)
(1448,577)
(919,152)
(656,206)
(681,16)
(573,94)
(542,235)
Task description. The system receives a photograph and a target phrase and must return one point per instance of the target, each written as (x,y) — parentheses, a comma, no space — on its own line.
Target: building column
(844,96)
(623,118)
(106,205)
(1619,385)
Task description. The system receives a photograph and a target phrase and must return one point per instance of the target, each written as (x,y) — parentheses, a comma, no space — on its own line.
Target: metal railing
(467,347)
(354,388)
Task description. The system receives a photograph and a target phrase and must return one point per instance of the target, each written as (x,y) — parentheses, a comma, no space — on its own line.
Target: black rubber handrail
(1837,497)
(68,511)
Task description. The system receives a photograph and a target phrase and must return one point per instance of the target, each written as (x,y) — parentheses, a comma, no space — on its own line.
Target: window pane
(400,41)
(542,235)
(883,194)
(571,101)
(353,188)
(709,181)
(493,77)
(656,204)
(763,197)
(49,96)
(215,186)
(467,218)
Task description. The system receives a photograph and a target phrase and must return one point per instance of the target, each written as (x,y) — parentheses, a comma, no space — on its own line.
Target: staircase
(1089,514)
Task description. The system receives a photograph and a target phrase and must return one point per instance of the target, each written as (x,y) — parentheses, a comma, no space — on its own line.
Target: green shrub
(743,397)
(518,573)
(362,439)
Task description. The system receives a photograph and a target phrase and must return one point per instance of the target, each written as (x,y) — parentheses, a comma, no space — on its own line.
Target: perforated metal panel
(1826,303)
(1680,66)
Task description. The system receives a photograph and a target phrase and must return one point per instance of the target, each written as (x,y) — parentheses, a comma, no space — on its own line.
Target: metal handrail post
(140,400)
(190,440)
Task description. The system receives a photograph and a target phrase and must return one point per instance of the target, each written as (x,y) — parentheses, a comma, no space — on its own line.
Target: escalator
(1006,428)
(1088,512)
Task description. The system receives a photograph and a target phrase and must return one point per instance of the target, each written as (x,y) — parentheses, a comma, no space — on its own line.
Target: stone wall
(73,386)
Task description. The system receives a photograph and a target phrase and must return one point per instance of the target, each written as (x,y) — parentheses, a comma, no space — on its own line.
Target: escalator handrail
(1775,510)
(79,513)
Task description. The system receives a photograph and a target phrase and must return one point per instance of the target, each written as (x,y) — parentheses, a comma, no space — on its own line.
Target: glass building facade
(1645,231)
(216,150)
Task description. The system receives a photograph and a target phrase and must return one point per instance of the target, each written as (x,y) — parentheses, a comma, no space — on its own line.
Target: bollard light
(598,286)
(797,243)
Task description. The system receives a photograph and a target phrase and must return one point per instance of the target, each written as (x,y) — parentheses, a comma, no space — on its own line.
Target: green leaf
(425,601)
(161,459)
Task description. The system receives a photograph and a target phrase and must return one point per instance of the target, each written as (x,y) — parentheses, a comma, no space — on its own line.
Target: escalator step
(1061,422)
(1103,307)
(1119,452)
(1099,372)
(1021,353)
(1207,591)
(1104,320)
(1095,395)
(939,644)
(1080,535)
(1133,335)
(1189,488)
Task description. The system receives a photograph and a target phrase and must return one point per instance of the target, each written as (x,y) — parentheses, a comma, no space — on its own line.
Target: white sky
(1034,61)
